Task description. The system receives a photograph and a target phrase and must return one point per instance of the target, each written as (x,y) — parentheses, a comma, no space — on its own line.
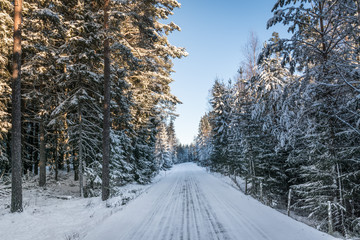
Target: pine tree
(106,125)
(16,179)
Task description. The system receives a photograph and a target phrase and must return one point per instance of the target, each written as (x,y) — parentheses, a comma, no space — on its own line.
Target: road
(191,204)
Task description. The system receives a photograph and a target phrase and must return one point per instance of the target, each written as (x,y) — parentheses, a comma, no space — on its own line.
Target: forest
(289,124)
(85,89)
(84,64)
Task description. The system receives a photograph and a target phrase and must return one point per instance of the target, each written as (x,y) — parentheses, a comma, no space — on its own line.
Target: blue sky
(214,34)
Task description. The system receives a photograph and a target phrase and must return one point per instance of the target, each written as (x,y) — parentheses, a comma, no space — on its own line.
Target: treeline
(62,96)
(185,153)
(292,123)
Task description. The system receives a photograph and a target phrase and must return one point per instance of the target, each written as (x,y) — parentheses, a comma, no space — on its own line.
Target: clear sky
(214,34)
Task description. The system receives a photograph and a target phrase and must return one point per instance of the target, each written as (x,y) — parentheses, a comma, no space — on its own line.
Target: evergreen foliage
(282,130)
(63,79)
(6,34)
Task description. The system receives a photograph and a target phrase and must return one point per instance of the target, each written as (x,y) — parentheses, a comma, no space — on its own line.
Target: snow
(56,212)
(186,202)
(190,203)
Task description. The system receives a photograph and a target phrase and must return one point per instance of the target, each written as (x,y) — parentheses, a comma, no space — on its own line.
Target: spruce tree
(318,50)
(220,125)
(204,147)
(162,148)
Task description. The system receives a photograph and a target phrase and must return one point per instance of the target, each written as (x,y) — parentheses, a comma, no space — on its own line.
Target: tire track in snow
(234,212)
(184,200)
(143,231)
(171,226)
(190,204)
(194,210)
(216,228)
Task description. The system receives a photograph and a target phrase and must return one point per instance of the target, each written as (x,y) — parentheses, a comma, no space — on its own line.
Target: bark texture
(106,126)
(16,166)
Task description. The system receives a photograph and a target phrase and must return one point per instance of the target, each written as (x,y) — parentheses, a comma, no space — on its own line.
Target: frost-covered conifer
(221,103)
(81,81)
(6,34)
(322,48)
(63,87)
(146,38)
(172,140)
(162,148)
(203,141)
(43,35)
(122,164)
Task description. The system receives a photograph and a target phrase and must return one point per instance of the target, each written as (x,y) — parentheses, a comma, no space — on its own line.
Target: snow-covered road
(190,203)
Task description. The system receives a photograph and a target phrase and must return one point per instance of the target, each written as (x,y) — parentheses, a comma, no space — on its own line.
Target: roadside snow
(55,212)
(184,203)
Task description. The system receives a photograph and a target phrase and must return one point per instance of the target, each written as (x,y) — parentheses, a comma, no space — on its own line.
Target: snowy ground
(191,204)
(49,216)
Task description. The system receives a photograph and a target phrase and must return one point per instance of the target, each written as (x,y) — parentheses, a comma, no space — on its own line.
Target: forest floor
(56,212)
(190,203)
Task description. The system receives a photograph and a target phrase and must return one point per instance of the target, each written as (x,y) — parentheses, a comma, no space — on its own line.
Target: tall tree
(172,140)
(323,49)
(106,127)
(79,110)
(62,86)
(162,148)
(16,168)
(42,34)
(221,103)
(203,141)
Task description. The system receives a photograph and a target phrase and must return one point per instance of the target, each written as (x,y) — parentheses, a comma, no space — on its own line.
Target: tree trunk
(76,167)
(352,208)
(330,222)
(16,181)
(42,163)
(56,156)
(261,191)
(106,125)
(246,185)
(358,11)
(68,163)
(358,24)
(322,31)
(289,202)
(253,189)
(32,148)
(80,154)
(61,158)
(36,152)
(27,133)
(341,199)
